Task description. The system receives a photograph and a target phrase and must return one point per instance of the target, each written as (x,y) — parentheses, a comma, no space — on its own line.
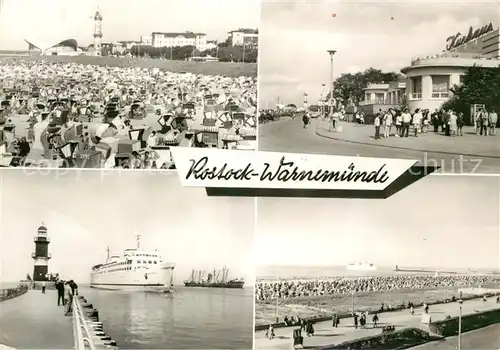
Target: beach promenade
(466,154)
(326,335)
(34,321)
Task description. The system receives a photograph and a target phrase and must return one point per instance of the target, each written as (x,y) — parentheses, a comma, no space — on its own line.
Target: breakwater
(88,330)
(9,293)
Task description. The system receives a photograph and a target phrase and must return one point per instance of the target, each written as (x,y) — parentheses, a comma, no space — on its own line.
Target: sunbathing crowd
(119,110)
(284,289)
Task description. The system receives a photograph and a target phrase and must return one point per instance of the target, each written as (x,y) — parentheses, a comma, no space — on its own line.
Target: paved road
(484,338)
(34,321)
(325,334)
(290,136)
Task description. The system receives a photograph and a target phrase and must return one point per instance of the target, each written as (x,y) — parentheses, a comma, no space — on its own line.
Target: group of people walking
(450,122)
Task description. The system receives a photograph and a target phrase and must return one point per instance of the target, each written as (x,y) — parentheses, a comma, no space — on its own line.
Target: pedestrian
(406,123)
(453,124)
(74,287)
(417,121)
(399,123)
(68,295)
(493,120)
(388,123)
(484,123)
(44,285)
(270,332)
(460,124)
(305,120)
(376,123)
(356,321)
(375,320)
(60,292)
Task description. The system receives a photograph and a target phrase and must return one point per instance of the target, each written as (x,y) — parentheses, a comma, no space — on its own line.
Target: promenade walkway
(469,145)
(466,154)
(326,335)
(34,321)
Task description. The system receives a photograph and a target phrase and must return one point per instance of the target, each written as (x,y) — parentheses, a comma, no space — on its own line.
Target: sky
(49,21)
(86,211)
(440,221)
(295,35)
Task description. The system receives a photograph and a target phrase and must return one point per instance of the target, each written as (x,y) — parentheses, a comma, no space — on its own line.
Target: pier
(34,321)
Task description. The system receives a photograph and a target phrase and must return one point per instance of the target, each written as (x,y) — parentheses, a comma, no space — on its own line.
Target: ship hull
(133,280)
(215,285)
(128,287)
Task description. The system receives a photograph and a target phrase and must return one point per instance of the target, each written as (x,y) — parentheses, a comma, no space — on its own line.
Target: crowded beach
(88,116)
(337,286)
(318,298)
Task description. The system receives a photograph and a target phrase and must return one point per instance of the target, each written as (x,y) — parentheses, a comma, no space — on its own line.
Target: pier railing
(81,332)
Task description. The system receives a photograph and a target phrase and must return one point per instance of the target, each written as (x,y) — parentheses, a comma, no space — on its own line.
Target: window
(440,86)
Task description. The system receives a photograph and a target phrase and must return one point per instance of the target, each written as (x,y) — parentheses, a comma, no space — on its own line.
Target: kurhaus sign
(459,39)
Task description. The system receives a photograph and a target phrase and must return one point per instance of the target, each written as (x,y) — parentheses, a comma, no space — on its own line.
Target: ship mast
(107,251)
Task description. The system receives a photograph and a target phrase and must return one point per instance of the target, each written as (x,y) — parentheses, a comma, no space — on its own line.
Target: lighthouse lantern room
(41,255)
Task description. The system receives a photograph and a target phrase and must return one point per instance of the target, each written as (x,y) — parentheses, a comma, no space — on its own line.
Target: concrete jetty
(34,321)
(10,293)
(326,335)
(88,330)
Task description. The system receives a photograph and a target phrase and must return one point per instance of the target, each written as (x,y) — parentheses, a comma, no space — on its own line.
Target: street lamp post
(460,302)
(331,53)
(352,300)
(277,298)
(322,100)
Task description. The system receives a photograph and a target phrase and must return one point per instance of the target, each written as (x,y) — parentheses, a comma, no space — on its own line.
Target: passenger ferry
(361,267)
(135,270)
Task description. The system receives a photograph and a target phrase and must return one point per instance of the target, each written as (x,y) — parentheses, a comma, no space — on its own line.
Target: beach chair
(210,133)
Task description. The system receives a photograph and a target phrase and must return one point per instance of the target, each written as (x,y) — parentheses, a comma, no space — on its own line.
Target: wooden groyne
(9,293)
(88,330)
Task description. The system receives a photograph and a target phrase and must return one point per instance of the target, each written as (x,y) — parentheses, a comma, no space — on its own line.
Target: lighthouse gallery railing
(83,336)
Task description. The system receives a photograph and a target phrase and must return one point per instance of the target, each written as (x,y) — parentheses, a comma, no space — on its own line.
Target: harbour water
(192,318)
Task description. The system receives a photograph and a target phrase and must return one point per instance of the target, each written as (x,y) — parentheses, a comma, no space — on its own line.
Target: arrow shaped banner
(274,174)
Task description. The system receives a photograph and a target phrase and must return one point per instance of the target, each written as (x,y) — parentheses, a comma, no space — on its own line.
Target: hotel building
(199,40)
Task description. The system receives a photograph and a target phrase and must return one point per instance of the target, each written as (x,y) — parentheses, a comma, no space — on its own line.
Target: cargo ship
(217,279)
(134,270)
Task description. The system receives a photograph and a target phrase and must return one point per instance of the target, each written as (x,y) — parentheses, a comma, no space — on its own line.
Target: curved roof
(72,43)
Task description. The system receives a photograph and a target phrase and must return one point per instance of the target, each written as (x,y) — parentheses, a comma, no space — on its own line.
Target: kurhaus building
(430,78)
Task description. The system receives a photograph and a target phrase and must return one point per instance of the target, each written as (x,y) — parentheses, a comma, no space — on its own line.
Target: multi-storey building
(160,39)
(244,36)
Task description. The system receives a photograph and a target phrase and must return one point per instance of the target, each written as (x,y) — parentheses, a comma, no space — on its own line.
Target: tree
(349,87)
(480,86)
(223,53)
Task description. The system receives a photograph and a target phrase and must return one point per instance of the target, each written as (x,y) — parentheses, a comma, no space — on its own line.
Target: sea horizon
(274,272)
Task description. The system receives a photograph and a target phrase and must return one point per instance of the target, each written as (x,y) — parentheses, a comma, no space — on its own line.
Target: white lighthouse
(98,33)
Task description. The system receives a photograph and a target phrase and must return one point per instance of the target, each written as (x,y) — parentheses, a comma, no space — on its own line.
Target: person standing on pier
(68,294)
(74,287)
(43,287)
(60,292)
